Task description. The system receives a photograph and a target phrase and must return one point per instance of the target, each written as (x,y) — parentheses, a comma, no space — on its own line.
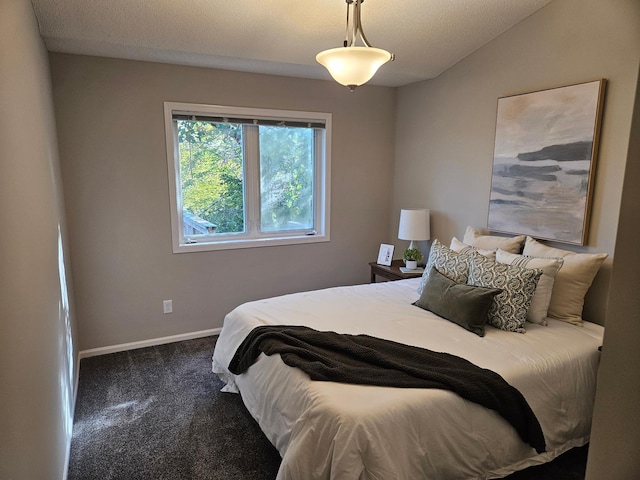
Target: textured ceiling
(278,36)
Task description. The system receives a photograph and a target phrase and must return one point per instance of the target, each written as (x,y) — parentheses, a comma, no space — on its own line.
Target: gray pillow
(465,305)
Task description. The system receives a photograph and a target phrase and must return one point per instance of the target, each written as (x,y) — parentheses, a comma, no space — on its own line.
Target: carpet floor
(157,413)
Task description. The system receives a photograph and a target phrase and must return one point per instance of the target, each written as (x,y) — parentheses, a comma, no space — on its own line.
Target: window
(242,177)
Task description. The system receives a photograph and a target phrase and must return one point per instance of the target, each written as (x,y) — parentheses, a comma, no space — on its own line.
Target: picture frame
(544,161)
(385,255)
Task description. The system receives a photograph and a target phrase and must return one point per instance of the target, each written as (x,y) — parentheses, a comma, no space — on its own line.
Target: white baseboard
(147,343)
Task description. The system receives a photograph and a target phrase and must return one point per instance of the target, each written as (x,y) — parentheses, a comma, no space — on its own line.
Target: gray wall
(613,452)
(37,350)
(444,150)
(112,147)
(446,126)
(109,115)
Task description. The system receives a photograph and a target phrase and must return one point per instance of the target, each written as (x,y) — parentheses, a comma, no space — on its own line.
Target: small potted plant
(411,257)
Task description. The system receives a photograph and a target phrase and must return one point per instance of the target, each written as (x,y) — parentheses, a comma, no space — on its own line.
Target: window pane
(286,178)
(244,177)
(211,177)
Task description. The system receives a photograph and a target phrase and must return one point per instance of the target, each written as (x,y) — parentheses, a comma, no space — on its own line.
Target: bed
(328,430)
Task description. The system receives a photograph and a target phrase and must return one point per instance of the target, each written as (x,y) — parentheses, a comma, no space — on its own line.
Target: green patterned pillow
(452,265)
(537,312)
(509,308)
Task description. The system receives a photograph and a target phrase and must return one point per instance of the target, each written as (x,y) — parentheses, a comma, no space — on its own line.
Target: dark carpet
(157,413)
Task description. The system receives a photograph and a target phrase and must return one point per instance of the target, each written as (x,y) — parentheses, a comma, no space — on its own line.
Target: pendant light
(351,65)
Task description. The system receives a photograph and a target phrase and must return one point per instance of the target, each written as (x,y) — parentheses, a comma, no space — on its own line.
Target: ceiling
(278,37)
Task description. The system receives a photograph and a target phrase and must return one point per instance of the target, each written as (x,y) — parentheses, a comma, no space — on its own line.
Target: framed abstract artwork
(544,162)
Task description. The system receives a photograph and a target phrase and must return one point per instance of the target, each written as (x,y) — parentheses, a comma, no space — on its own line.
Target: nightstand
(390,273)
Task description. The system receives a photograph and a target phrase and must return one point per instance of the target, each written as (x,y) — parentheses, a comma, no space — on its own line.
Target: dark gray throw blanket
(365,360)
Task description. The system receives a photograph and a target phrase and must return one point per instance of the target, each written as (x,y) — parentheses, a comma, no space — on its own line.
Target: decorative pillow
(489,242)
(509,308)
(572,281)
(461,247)
(451,264)
(459,303)
(550,266)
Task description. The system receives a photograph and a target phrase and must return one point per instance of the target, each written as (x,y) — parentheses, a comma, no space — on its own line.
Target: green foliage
(211,171)
(412,254)
(286,178)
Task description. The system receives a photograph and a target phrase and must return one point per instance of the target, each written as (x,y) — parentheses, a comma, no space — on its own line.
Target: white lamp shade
(414,225)
(353,66)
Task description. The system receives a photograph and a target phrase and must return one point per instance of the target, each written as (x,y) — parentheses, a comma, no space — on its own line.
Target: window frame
(252,238)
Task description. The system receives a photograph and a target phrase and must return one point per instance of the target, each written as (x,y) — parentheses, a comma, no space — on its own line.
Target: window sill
(204,246)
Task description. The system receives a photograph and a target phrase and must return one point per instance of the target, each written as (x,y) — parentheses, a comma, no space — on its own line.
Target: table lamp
(414,226)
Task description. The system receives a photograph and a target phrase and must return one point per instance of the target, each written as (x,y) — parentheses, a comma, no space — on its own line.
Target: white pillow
(489,242)
(572,281)
(461,247)
(537,312)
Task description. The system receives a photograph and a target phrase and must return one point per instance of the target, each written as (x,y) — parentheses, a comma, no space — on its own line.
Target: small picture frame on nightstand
(385,255)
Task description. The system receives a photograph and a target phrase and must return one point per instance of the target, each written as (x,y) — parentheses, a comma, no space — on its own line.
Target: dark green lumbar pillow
(465,305)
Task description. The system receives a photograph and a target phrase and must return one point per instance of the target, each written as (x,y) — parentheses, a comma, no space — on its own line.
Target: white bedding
(326,430)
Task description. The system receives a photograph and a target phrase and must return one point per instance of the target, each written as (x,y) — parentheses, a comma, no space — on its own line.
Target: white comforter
(326,430)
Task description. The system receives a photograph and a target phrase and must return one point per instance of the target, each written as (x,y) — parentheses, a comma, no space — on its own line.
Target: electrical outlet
(167,305)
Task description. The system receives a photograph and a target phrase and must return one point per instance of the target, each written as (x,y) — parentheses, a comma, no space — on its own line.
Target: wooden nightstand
(390,273)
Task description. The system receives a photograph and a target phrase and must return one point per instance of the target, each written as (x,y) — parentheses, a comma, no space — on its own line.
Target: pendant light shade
(351,65)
